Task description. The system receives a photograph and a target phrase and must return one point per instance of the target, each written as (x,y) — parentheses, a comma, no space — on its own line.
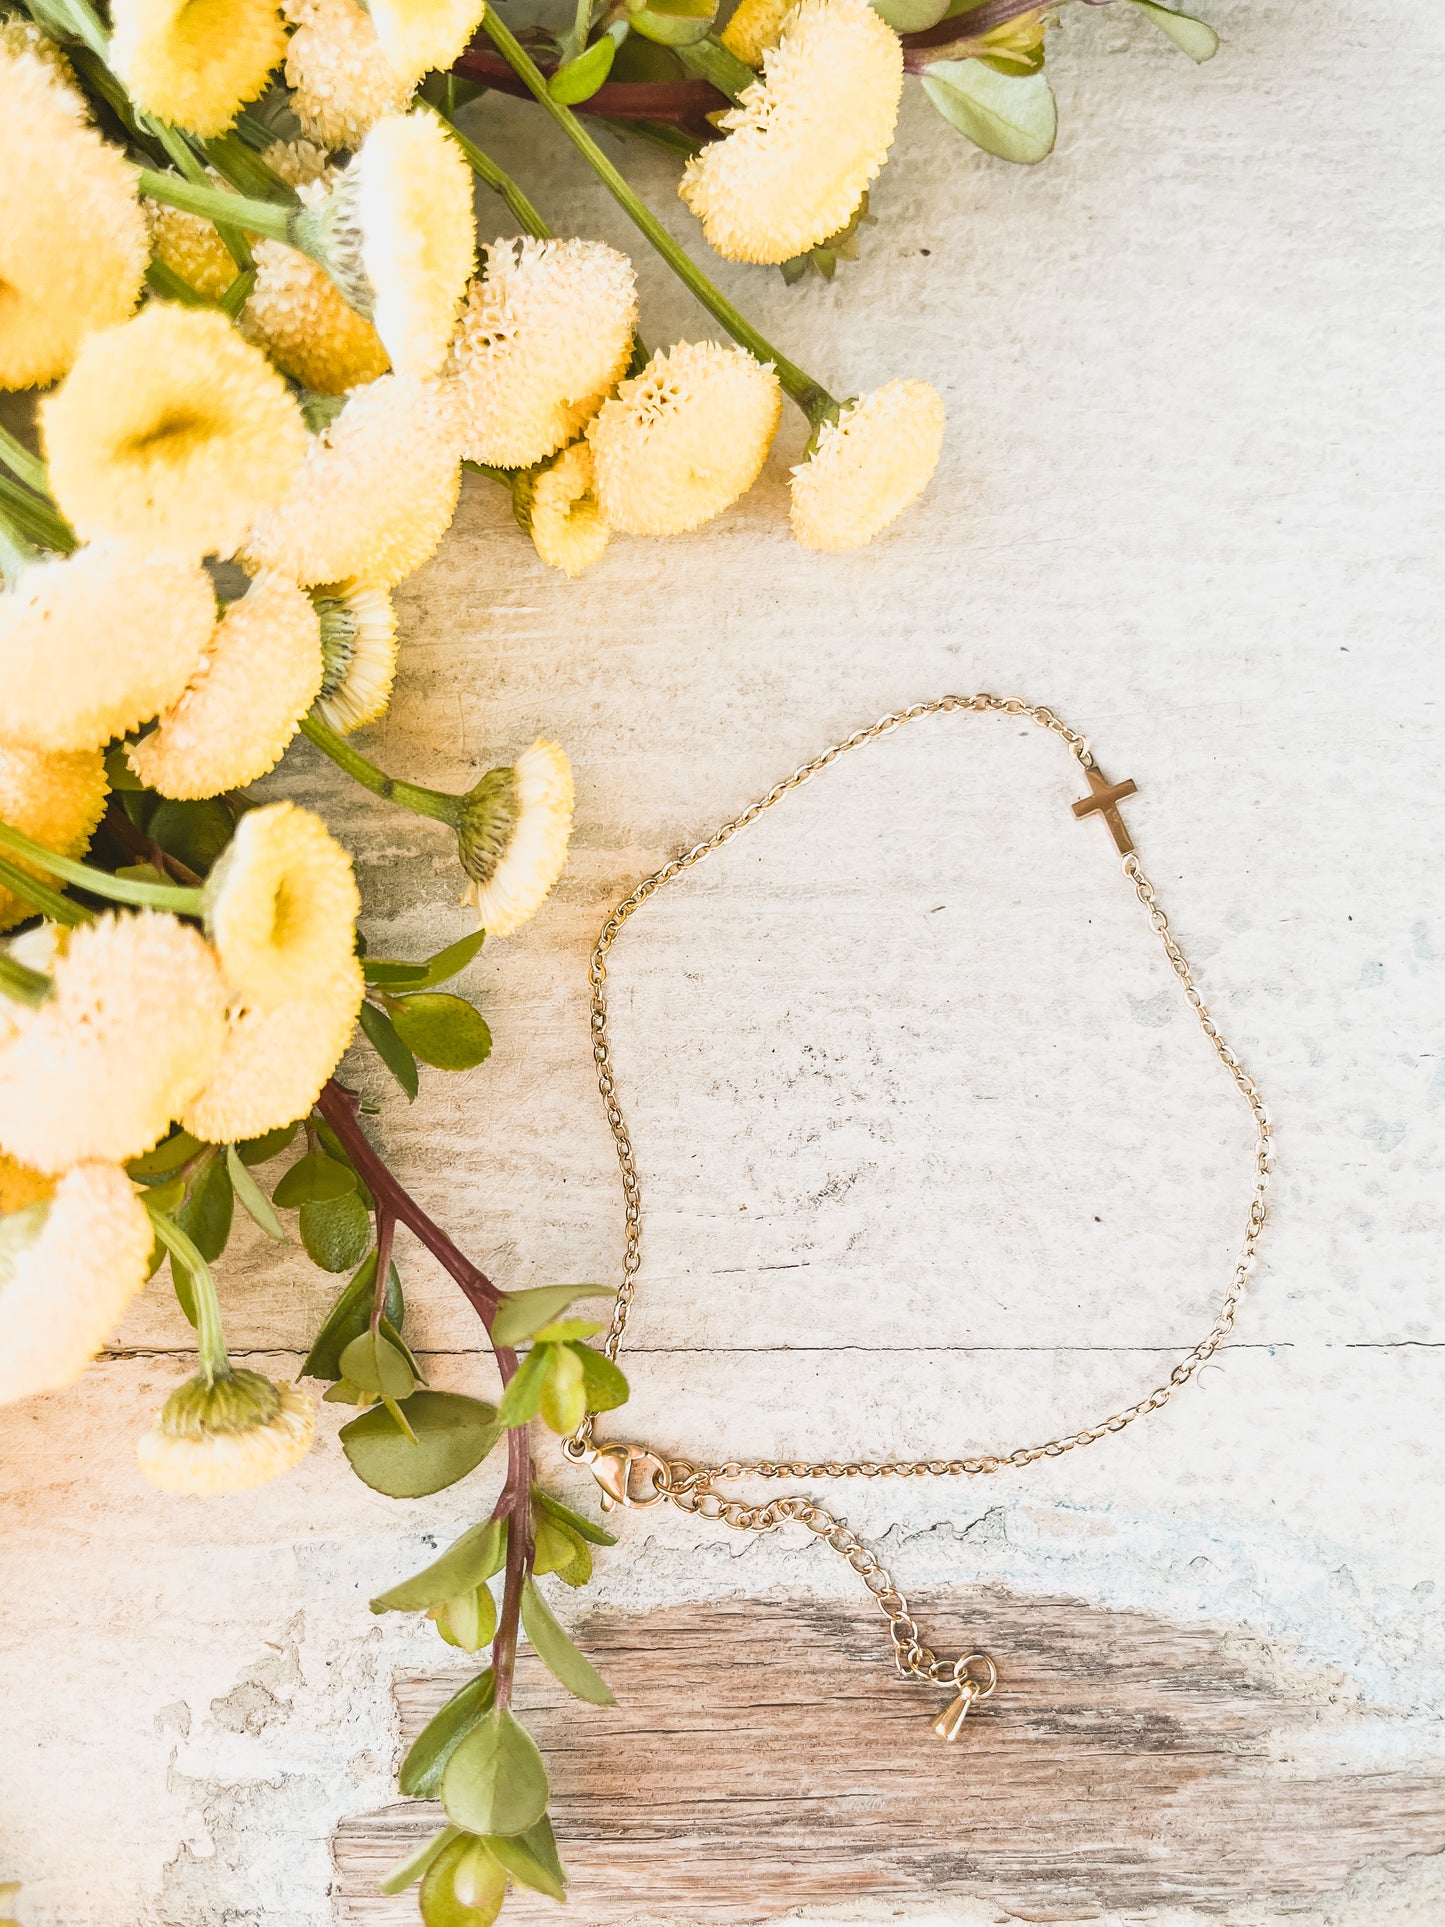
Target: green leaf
(464,1886)
(349,1317)
(252,1196)
(390,973)
(169,1155)
(421,1770)
(468,1561)
(580,78)
(674,23)
(398,1878)
(205,1217)
(375,1366)
(442,1030)
(532,1858)
(1199,41)
(256,1150)
(195,832)
(524,1389)
(558,1654)
(495,1781)
(454,1434)
(561,1550)
(381,1032)
(563,1404)
(1013,116)
(118,772)
(185,1290)
(468,1621)
(446,963)
(312,1179)
(564,1515)
(521,1313)
(606,1386)
(335,1231)
(911,16)
(563,1331)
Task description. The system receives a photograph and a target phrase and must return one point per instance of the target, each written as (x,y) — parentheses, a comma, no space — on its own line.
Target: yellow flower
(400,237)
(19,1185)
(755,27)
(805,140)
(195,62)
(58,798)
(238,1432)
(684,438)
(562,516)
(514,836)
(281,907)
(343,83)
(868,466)
(191,248)
(69,1266)
(296,313)
(274,1062)
(96,643)
(544,335)
(171,431)
(358,641)
(375,494)
(259,676)
(73,241)
(126,1040)
(300,162)
(419,36)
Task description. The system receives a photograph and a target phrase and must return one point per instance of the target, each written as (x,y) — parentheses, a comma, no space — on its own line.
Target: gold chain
(632,1475)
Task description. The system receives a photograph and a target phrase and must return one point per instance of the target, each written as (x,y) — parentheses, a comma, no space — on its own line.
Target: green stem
(492,176)
(710,60)
(153,896)
(210,1337)
(40,896)
(221,207)
(34,519)
(814,400)
(440,805)
(26,467)
(21,984)
(16,553)
(506,476)
(184,156)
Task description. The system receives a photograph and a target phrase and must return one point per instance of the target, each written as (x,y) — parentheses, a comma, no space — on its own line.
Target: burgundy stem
(514,1505)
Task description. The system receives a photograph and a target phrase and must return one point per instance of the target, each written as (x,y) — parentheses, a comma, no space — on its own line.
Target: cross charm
(1106,799)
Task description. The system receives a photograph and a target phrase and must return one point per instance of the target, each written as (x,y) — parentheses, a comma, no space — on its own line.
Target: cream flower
(73,241)
(128,1037)
(296,313)
(804,141)
(343,83)
(561,514)
(684,438)
(171,431)
(399,237)
(754,27)
(21,36)
(868,466)
(419,36)
(544,335)
(69,1266)
(375,494)
(195,62)
(281,907)
(275,1062)
(95,643)
(191,248)
(514,836)
(58,798)
(239,1432)
(358,641)
(259,676)
(298,162)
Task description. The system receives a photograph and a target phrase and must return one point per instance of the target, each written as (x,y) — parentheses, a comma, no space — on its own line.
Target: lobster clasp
(629,1475)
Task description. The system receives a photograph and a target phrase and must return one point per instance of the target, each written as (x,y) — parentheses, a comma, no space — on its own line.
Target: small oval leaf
(580,78)
(313,1179)
(468,1561)
(454,1434)
(495,1781)
(558,1654)
(1011,115)
(335,1231)
(421,1770)
(442,1030)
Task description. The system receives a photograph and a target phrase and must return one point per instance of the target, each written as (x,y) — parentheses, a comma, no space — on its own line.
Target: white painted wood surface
(932,1156)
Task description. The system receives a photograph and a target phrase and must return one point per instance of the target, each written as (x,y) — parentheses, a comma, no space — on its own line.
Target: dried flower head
(684,438)
(57,797)
(171,431)
(375,494)
(260,674)
(868,466)
(70,1263)
(73,241)
(274,1062)
(296,314)
(514,836)
(754,27)
(358,644)
(95,643)
(191,248)
(422,36)
(299,162)
(281,907)
(195,62)
(343,83)
(226,1435)
(545,333)
(561,514)
(805,140)
(126,1040)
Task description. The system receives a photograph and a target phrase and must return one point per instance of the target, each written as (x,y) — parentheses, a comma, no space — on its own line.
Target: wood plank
(762,1758)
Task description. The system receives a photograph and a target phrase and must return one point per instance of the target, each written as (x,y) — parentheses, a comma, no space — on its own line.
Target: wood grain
(762,1758)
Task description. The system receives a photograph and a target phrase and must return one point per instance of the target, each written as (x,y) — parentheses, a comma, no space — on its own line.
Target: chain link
(692,1487)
